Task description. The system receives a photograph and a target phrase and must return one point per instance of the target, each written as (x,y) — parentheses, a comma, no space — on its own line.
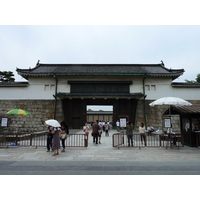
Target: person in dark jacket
(95,131)
(49,138)
(129,132)
(64,132)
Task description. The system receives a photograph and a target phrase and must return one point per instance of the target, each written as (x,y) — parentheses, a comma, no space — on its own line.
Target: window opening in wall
(147,87)
(46,87)
(52,87)
(150,87)
(153,87)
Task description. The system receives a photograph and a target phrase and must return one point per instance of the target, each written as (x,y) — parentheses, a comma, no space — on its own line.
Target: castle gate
(83,93)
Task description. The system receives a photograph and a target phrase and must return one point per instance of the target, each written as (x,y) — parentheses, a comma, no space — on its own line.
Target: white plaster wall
(163,88)
(154,87)
(44,88)
(39,88)
(187,93)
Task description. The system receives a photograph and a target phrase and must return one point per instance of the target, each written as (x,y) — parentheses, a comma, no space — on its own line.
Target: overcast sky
(177,46)
(108,32)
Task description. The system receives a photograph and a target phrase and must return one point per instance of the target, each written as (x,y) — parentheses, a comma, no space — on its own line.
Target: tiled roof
(193,109)
(14,84)
(99,112)
(100,69)
(100,95)
(186,85)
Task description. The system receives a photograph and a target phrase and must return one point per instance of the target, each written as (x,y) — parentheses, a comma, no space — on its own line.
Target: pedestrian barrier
(154,140)
(198,139)
(40,140)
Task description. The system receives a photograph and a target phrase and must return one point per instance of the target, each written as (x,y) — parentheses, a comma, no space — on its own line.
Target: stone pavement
(101,152)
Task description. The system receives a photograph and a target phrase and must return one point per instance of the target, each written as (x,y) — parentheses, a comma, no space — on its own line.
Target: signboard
(167,123)
(4,121)
(122,122)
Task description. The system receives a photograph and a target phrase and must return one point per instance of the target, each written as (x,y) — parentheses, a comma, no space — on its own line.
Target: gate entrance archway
(75,110)
(101,112)
(83,93)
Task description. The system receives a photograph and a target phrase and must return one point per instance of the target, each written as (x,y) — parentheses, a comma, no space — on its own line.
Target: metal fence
(154,140)
(198,140)
(40,140)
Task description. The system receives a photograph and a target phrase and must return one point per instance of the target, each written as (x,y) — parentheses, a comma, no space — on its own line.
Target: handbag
(62,136)
(92,134)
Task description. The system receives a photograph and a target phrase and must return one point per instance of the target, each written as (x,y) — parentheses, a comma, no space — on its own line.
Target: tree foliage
(6,76)
(197,80)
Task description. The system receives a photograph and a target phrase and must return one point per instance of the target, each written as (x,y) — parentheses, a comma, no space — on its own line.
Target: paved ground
(100,159)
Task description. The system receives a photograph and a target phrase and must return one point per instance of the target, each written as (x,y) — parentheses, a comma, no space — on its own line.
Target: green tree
(6,76)
(197,80)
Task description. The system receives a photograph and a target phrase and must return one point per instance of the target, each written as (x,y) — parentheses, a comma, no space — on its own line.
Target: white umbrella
(170,101)
(52,122)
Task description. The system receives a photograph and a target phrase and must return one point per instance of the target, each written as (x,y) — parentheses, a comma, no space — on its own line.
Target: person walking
(129,132)
(56,141)
(86,128)
(142,133)
(49,138)
(100,131)
(106,127)
(95,131)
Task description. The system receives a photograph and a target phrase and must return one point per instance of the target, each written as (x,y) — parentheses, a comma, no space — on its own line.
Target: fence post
(31,140)
(86,140)
(16,138)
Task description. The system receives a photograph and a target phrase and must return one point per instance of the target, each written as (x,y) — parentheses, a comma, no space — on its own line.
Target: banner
(4,121)
(122,122)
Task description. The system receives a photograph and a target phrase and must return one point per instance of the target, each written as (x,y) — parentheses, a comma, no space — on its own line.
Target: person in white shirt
(106,126)
(150,129)
(117,124)
(142,133)
(100,131)
(86,128)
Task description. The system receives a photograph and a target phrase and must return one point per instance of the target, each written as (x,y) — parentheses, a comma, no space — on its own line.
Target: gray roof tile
(99,69)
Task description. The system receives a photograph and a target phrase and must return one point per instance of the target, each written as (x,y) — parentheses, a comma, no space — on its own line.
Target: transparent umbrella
(170,101)
(53,123)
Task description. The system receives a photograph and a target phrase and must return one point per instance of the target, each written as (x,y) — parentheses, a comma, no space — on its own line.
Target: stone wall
(40,110)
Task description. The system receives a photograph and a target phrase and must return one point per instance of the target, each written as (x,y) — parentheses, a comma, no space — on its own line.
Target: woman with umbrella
(55,131)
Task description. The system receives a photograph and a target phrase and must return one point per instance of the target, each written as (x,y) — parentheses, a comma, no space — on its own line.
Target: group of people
(97,128)
(54,136)
(142,132)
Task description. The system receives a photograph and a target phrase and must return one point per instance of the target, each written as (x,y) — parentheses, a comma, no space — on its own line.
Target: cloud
(177,46)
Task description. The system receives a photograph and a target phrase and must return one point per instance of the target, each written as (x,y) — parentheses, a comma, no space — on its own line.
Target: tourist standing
(49,138)
(129,132)
(95,131)
(117,124)
(142,132)
(150,129)
(63,136)
(56,141)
